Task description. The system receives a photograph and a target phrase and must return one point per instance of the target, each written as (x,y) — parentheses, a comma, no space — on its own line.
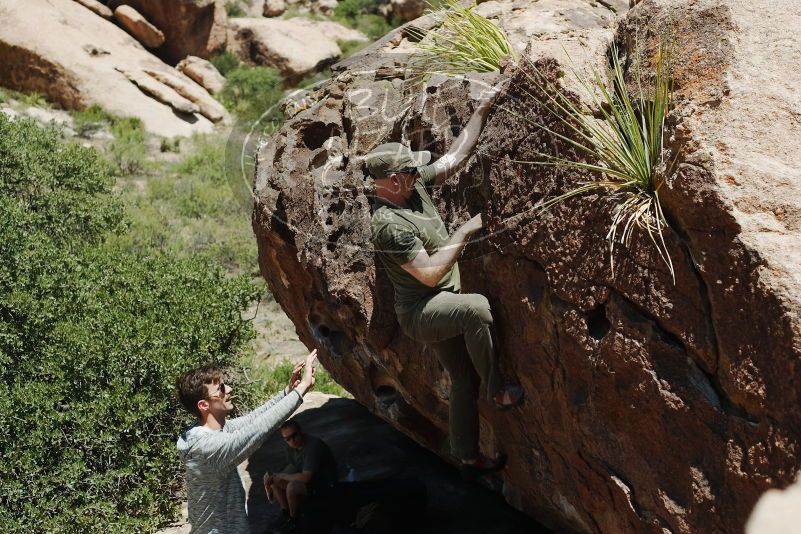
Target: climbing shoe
(483,466)
(508,397)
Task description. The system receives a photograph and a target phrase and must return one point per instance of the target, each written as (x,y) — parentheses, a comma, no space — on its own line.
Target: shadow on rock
(389,483)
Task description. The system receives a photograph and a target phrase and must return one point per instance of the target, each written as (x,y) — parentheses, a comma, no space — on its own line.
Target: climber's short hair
(191,386)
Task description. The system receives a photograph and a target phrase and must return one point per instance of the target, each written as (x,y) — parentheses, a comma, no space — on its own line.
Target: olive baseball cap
(394,157)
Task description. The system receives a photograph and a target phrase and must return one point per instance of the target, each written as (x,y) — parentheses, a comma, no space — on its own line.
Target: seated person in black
(311,469)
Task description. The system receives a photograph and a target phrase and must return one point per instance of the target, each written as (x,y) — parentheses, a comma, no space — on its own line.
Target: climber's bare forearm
(463,145)
(429,270)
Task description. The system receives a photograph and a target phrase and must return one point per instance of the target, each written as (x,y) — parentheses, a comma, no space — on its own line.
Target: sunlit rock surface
(75,58)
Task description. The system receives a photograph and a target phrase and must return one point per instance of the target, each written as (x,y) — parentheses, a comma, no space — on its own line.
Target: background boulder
(191,27)
(203,72)
(296,47)
(97,7)
(138,26)
(652,406)
(67,53)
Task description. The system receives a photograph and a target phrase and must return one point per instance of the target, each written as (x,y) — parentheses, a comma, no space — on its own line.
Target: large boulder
(652,405)
(297,46)
(191,27)
(64,51)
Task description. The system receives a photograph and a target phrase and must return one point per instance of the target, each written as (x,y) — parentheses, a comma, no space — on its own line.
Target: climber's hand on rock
(490,95)
(475,224)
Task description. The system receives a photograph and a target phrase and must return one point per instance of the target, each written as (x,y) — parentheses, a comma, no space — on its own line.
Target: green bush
(91,340)
(351,9)
(170,145)
(295,10)
(225,62)
(233,8)
(250,92)
(189,208)
(128,152)
(350,47)
(90,120)
(57,189)
(33,99)
(363,15)
(268,380)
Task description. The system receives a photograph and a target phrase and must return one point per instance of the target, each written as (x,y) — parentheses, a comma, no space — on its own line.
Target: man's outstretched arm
(429,270)
(240,422)
(225,450)
(464,144)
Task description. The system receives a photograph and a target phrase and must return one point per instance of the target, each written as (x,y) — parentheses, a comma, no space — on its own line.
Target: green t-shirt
(400,233)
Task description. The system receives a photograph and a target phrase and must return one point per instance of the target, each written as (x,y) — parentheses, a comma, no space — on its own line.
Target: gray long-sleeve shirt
(214,490)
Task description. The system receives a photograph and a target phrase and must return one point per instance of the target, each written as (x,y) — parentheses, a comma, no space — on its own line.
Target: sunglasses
(290,437)
(220,389)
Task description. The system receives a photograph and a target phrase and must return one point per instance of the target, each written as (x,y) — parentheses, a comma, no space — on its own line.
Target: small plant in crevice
(623,143)
(464,42)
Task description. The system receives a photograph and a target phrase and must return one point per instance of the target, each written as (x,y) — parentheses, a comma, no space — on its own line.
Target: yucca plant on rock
(623,144)
(464,42)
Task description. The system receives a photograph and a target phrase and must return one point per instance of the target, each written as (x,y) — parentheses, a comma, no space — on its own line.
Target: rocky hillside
(148,58)
(652,405)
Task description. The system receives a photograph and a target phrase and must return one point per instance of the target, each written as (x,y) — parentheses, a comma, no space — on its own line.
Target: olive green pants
(459,329)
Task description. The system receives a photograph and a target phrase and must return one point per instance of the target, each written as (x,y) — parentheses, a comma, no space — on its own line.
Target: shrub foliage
(364,15)
(250,92)
(91,339)
(191,208)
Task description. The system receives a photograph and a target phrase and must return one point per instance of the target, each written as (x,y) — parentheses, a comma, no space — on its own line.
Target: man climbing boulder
(420,260)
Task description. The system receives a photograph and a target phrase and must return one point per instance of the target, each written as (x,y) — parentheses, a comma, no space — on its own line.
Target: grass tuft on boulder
(464,42)
(623,145)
